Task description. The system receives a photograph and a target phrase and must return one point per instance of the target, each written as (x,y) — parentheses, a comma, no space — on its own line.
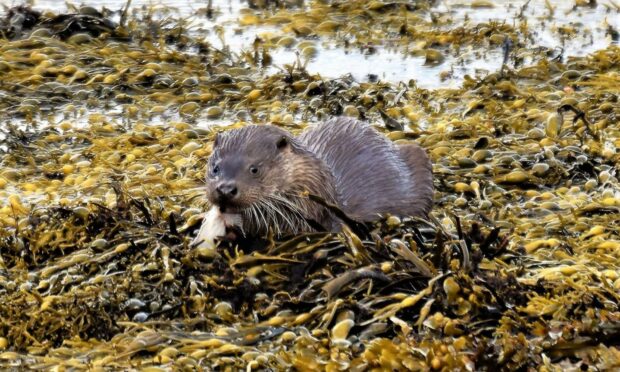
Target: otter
(258,177)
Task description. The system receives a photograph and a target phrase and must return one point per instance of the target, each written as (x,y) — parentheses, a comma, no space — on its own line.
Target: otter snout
(227,190)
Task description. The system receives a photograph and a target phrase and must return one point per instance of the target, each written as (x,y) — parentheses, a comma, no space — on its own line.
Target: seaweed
(106,128)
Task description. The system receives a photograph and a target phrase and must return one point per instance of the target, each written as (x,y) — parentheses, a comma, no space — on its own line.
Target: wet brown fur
(344,161)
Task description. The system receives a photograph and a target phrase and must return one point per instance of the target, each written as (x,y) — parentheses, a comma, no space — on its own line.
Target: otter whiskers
(282,212)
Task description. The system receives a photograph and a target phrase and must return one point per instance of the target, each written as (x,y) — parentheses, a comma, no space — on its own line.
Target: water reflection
(546,25)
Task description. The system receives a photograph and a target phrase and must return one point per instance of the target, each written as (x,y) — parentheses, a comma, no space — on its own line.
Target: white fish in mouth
(214,226)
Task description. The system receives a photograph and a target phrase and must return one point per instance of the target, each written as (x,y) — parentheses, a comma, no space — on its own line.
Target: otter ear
(216,140)
(282,143)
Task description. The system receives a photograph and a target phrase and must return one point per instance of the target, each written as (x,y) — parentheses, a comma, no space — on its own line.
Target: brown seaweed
(102,155)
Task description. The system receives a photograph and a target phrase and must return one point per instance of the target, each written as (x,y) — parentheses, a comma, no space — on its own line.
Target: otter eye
(253,169)
(282,142)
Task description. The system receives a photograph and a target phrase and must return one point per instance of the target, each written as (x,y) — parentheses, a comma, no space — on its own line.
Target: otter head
(247,165)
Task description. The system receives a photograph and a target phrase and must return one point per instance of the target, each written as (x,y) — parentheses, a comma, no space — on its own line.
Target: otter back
(372,175)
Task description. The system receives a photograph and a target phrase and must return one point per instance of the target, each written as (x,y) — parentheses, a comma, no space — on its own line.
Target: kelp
(103,149)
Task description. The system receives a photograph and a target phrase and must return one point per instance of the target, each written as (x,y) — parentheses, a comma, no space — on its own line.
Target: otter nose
(227,190)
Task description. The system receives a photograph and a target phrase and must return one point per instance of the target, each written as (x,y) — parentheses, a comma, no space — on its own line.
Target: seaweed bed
(102,154)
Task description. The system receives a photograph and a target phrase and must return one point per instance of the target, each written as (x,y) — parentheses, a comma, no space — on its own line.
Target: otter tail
(421,177)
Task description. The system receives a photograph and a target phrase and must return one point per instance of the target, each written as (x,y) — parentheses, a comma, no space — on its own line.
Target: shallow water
(333,62)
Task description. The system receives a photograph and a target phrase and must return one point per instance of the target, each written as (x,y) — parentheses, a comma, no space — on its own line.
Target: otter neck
(307,173)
